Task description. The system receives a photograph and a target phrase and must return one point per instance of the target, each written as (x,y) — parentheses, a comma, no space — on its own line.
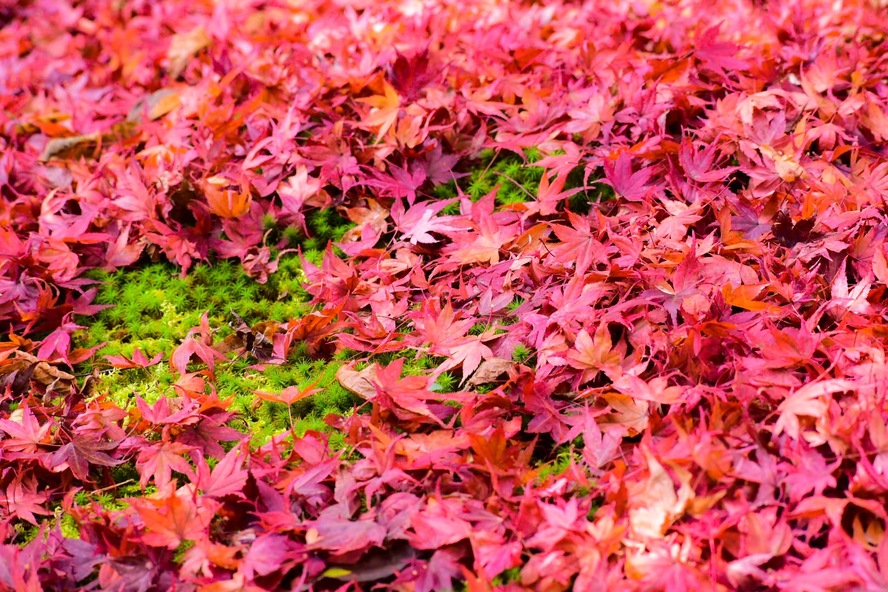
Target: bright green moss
(559,464)
(445,383)
(518,181)
(445,191)
(69,527)
(533,154)
(267,418)
(324,226)
(479,328)
(521,354)
(509,576)
(515,180)
(25,532)
(154,308)
(183,548)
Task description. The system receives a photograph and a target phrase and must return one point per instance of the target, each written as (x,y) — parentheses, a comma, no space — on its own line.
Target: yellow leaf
(655,504)
(787,168)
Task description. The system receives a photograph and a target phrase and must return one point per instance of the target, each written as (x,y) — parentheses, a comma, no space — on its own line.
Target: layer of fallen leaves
(707,348)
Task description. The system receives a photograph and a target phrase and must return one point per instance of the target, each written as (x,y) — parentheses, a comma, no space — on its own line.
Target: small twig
(115,486)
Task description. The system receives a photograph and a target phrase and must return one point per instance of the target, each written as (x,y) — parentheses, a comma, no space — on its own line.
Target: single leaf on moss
(289,395)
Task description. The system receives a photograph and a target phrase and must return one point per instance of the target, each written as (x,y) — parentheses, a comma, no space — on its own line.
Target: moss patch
(153,308)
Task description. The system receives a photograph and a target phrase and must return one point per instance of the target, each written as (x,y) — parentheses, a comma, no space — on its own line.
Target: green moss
(521,354)
(509,576)
(445,383)
(559,464)
(69,527)
(517,181)
(183,548)
(533,154)
(324,226)
(154,308)
(25,532)
(445,191)
(267,418)
(479,328)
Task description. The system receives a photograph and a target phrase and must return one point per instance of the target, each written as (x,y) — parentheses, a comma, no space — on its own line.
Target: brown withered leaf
(490,370)
(184,46)
(626,412)
(71,146)
(22,368)
(358,383)
(155,105)
(257,340)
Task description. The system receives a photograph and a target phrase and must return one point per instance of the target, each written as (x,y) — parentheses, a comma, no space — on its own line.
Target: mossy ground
(516,180)
(152,308)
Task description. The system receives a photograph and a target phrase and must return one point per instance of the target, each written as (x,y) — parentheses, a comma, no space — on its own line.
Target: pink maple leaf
(139,360)
(417,223)
(630,185)
(158,461)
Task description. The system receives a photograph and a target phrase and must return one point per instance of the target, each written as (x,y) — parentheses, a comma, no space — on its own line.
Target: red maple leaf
(630,185)
(481,243)
(139,360)
(80,453)
(158,461)
(578,244)
(174,518)
(26,434)
(698,165)
(417,223)
(198,344)
(228,477)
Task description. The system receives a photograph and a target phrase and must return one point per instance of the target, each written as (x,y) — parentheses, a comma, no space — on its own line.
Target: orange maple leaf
(384,112)
(174,519)
(226,202)
(289,395)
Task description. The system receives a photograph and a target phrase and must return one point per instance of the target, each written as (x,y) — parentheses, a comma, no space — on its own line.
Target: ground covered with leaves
(435,295)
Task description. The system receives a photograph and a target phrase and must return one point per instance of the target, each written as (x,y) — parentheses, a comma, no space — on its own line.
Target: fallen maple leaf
(853,300)
(80,453)
(139,360)
(808,401)
(174,518)
(630,185)
(159,460)
(654,502)
(226,202)
(384,109)
(25,433)
(490,370)
(183,47)
(594,354)
(358,383)
(290,394)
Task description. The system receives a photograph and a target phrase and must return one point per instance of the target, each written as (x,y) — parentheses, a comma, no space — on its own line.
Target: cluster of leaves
(654,359)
